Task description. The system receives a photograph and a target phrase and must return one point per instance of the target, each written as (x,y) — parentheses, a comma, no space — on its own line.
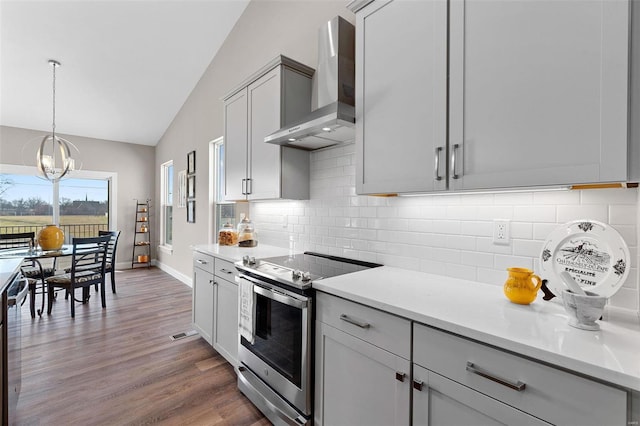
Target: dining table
(36,255)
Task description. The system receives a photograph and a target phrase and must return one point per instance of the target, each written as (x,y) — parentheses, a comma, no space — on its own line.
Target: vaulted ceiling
(127,66)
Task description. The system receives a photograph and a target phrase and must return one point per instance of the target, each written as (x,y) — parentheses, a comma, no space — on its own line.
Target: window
(81,205)
(223,211)
(166,204)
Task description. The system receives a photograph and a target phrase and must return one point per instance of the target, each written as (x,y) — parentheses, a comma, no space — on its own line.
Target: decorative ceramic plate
(593,253)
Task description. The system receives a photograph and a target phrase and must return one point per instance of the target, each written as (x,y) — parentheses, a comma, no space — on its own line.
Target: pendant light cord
(53,125)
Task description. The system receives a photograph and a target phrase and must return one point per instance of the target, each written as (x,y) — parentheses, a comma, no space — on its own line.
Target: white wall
(266,29)
(442,234)
(132,163)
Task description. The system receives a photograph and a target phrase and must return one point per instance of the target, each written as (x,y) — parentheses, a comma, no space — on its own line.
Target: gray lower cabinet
(202,306)
(522,107)
(438,401)
(215,304)
(455,378)
(225,311)
(277,94)
(357,381)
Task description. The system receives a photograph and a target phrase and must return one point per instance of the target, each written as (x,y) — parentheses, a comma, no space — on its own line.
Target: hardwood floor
(118,366)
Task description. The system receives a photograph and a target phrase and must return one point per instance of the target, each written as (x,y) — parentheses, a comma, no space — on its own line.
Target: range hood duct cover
(333,121)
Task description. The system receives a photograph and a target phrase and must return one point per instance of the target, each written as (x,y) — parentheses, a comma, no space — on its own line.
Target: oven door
(280,355)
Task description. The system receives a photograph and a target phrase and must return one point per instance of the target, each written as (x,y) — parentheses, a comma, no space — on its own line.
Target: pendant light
(54,156)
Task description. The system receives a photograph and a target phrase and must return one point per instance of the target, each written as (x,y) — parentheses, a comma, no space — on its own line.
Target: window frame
(111,177)
(164,183)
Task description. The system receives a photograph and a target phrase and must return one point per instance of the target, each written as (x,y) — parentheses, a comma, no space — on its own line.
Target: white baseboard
(169,270)
(175,273)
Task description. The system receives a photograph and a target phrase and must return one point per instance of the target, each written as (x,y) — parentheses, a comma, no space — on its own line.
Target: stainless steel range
(276,330)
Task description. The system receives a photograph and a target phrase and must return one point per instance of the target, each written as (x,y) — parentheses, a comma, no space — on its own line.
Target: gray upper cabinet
(537,95)
(538,92)
(254,170)
(401,96)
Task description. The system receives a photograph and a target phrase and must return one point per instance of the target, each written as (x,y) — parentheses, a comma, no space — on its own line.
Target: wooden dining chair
(110,267)
(88,263)
(31,269)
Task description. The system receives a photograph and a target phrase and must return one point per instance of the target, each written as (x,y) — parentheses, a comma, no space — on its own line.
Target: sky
(75,189)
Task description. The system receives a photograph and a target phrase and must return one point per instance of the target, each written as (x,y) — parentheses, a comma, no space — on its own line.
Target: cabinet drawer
(376,327)
(225,269)
(551,394)
(203,261)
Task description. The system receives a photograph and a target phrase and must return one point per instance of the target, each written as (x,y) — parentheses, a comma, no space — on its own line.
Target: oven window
(278,337)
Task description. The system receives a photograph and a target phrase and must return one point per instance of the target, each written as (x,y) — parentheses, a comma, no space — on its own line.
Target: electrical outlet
(501,234)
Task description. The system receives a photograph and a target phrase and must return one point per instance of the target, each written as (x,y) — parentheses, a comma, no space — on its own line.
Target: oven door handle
(279,297)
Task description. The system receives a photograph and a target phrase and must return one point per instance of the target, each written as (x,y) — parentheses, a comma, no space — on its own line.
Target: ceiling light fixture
(54,157)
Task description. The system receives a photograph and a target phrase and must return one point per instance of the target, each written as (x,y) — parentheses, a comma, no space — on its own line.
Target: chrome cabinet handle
(244,187)
(361,324)
(453,161)
(436,165)
(400,376)
(519,386)
(226,271)
(417,385)
(249,186)
(202,262)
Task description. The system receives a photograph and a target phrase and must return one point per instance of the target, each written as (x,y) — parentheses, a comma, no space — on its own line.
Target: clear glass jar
(246,234)
(227,236)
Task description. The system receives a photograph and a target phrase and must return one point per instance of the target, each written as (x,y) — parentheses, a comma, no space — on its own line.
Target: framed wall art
(191,186)
(191,163)
(182,188)
(191,211)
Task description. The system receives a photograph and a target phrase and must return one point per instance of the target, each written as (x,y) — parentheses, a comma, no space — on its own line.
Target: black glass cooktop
(300,270)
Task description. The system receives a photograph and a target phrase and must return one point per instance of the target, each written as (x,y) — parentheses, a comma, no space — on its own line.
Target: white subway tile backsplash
(461,271)
(522,230)
(502,262)
(461,242)
(479,229)
(485,245)
(494,212)
(534,213)
(585,211)
(474,258)
(441,234)
(541,231)
(609,196)
(623,214)
(556,197)
(531,248)
(513,198)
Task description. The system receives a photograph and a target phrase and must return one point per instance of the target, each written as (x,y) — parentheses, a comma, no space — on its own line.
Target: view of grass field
(45,220)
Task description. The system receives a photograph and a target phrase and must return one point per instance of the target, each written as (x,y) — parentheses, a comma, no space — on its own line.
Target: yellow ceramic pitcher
(522,285)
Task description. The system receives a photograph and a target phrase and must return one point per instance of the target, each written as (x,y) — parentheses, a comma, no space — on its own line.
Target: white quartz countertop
(235,253)
(482,312)
(8,267)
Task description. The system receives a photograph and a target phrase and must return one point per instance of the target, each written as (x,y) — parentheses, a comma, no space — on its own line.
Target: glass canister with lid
(247,234)
(227,236)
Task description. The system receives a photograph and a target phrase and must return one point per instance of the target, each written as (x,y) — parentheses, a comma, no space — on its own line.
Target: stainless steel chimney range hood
(333,121)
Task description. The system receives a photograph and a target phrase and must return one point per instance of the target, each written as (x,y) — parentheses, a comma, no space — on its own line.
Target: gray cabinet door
(225,320)
(203,303)
(356,382)
(538,92)
(401,66)
(438,401)
(235,145)
(264,119)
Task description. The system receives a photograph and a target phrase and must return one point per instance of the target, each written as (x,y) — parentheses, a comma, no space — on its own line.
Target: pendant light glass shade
(54,157)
